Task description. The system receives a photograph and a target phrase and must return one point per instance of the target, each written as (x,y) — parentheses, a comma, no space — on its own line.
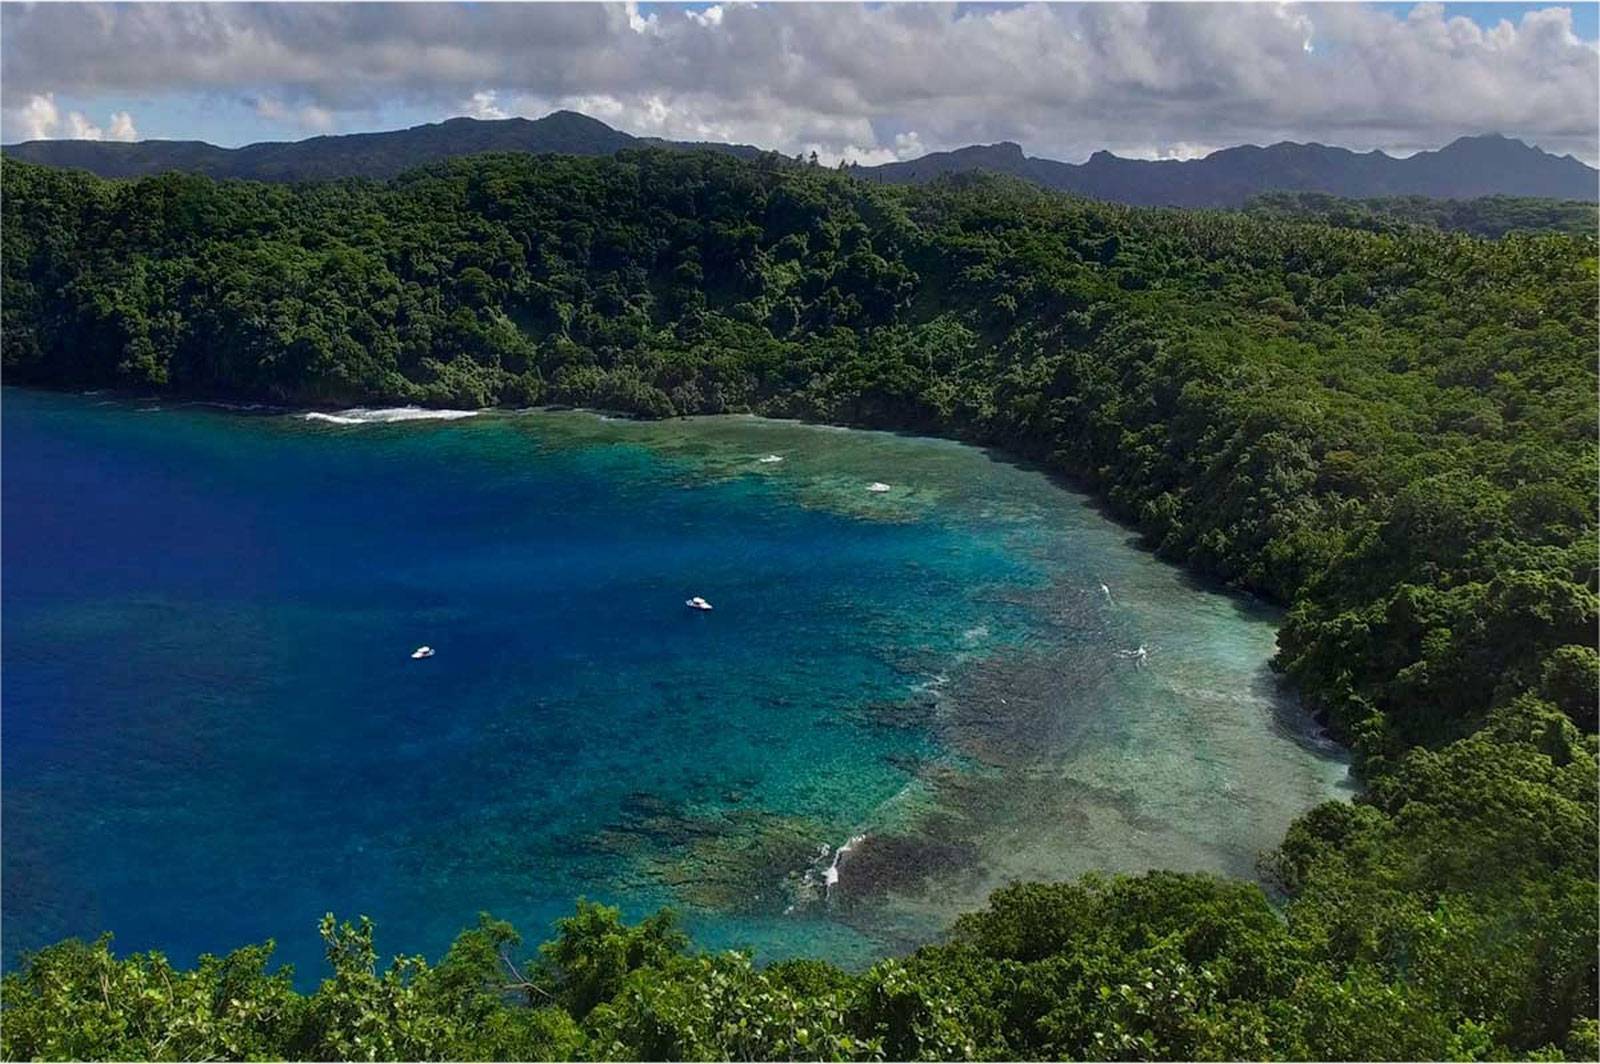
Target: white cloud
(122,127)
(309,118)
(1063,80)
(317,119)
(483,105)
(907,145)
(639,23)
(711,16)
(41,119)
(80,128)
(1180,150)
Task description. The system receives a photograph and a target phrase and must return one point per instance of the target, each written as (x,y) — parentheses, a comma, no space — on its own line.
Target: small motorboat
(770,459)
(697,603)
(877,487)
(421,652)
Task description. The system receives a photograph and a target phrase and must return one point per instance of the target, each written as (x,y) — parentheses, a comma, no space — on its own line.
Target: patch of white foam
(822,875)
(386,415)
(830,875)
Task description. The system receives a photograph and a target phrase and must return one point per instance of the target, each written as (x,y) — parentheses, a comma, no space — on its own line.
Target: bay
(213,731)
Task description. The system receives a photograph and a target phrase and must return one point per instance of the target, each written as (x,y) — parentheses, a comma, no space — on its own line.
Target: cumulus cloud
(40,119)
(711,16)
(1161,80)
(122,127)
(483,105)
(309,118)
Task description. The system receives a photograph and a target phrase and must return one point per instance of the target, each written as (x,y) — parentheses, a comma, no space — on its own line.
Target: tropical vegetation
(1389,429)
(1490,216)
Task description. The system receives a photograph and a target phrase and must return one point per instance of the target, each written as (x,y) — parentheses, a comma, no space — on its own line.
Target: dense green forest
(1490,216)
(1389,429)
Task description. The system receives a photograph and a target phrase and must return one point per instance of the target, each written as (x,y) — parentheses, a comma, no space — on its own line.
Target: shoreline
(1050,683)
(1073,481)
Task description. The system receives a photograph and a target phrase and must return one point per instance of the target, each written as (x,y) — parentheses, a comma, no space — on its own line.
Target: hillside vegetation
(1391,432)
(1480,166)
(1488,216)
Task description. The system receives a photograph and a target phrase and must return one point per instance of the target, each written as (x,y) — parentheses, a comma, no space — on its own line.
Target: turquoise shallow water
(213,732)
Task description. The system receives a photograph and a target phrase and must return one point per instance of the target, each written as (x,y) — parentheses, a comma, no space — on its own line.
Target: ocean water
(212,730)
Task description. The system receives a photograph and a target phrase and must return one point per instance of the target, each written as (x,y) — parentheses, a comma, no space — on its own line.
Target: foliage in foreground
(1388,429)
(1163,966)
(1456,924)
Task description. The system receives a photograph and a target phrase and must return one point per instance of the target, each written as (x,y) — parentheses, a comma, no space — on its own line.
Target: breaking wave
(362,416)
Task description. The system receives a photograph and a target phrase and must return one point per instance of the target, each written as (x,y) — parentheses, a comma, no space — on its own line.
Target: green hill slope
(1393,433)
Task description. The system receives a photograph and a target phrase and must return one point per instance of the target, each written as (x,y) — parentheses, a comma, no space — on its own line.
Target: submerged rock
(742,861)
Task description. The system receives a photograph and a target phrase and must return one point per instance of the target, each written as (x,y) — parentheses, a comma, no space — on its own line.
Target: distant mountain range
(1466,168)
(348,155)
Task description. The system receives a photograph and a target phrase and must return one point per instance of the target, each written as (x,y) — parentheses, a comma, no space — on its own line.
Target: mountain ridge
(1468,167)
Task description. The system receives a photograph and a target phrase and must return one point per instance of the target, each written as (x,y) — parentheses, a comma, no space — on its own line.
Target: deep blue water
(213,732)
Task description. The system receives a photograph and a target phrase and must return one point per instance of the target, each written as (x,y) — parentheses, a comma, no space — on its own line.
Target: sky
(866,83)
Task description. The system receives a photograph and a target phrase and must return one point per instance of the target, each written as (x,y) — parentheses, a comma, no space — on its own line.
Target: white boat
(422,652)
(770,459)
(878,487)
(697,603)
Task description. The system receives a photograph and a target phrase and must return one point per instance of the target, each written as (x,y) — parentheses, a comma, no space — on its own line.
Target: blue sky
(870,83)
(1585,17)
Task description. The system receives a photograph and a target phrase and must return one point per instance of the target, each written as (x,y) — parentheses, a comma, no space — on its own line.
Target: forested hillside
(1393,433)
(1488,216)
(1467,167)
(1480,166)
(377,155)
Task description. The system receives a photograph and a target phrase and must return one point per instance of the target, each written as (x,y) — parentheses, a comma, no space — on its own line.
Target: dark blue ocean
(212,732)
